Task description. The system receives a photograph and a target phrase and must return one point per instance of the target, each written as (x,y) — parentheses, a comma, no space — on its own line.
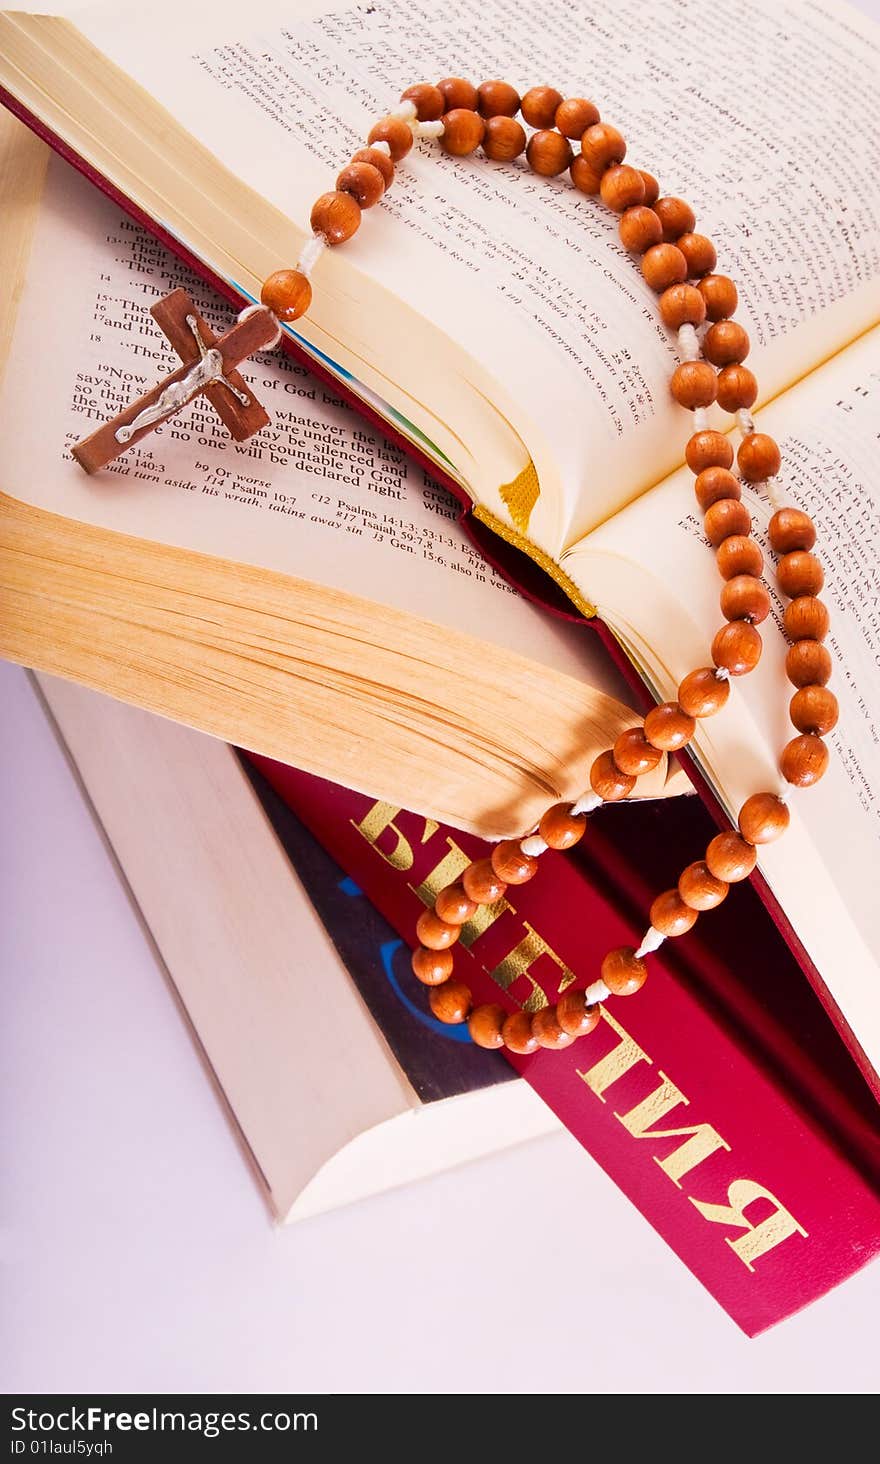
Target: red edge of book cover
(770,1198)
(775,1170)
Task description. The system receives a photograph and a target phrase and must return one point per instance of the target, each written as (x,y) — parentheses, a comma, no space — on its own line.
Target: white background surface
(138,1254)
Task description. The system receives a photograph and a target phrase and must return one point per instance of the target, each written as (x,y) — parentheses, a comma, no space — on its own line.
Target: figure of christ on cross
(207,368)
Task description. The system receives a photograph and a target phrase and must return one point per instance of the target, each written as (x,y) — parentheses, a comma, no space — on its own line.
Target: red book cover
(727,1108)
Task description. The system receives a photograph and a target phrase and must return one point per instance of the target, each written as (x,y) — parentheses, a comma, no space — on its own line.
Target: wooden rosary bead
(623,972)
(634,754)
(694,384)
(790,529)
(808,663)
(397,134)
(540,105)
(430,102)
(560,828)
(805,618)
(337,216)
(737,647)
(607,779)
(725,343)
(700,888)
(639,228)
(511,864)
(584,177)
(676,217)
(575,1016)
(814,709)
(436,934)
(730,858)
(287,293)
(800,573)
(762,818)
(668,727)
(547,1031)
(602,145)
(713,484)
(707,449)
(463,131)
(758,457)
(458,94)
(622,187)
(699,253)
(664,265)
(486,1025)
(680,304)
(454,905)
(575,115)
(671,916)
(497,99)
(376,159)
(451,1002)
(518,1035)
(363,182)
(548,153)
(804,760)
(432,968)
(719,293)
(737,387)
(504,139)
(738,554)
(727,516)
(745,598)
(701,693)
(652,187)
(481,883)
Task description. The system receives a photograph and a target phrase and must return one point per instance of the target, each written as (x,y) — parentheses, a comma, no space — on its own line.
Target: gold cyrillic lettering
(519,962)
(615,1063)
(482,918)
(381,817)
(451,867)
(702,1138)
(760,1238)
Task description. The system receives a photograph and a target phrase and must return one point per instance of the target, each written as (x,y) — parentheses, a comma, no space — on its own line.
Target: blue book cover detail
(378,962)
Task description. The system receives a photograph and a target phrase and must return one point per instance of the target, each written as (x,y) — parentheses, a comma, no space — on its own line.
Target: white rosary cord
(258,309)
(652,940)
(587,803)
(407,112)
(596,993)
(310,254)
(688,344)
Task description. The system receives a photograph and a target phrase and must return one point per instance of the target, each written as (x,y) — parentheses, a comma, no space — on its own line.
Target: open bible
(491,321)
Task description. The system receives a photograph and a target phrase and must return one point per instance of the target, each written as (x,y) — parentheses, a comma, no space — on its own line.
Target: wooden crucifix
(207,368)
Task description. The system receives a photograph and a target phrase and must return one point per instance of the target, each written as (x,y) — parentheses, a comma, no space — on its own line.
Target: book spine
(757,1196)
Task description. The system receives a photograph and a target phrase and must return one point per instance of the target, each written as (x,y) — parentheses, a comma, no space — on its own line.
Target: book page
(317,494)
(824,871)
(525,272)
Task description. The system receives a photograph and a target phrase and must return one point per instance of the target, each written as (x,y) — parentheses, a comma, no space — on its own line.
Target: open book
(493,321)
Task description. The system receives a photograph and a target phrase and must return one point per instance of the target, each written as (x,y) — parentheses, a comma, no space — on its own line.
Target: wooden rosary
(679,265)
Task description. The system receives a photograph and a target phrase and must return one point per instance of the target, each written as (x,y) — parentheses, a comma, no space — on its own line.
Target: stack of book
(337,597)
